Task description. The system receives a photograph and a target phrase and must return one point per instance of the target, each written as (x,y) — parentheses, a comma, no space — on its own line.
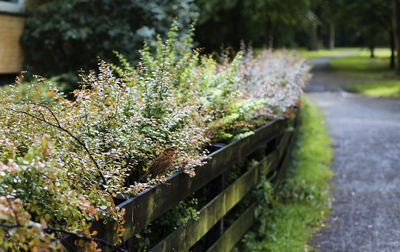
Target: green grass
(303,201)
(361,65)
(306,202)
(315,54)
(323,52)
(384,88)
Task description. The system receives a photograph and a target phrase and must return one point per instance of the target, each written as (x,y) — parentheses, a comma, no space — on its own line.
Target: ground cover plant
(63,160)
(380,88)
(362,65)
(288,218)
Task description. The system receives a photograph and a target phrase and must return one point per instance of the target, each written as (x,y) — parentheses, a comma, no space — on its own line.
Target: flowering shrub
(38,198)
(275,79)
(62,161)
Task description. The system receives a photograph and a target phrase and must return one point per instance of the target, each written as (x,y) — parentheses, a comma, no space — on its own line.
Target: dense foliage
(64,36)
(270,23)
(63,160)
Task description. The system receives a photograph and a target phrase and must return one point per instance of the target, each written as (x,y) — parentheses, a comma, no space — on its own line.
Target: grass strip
(362,65)
(384,88)
(288,218)
(324,52)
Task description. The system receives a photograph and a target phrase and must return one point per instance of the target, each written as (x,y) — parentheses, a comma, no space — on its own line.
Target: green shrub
(97,145)
(64,36)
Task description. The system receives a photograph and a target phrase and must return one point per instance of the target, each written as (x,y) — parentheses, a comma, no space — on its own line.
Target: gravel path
(366,132)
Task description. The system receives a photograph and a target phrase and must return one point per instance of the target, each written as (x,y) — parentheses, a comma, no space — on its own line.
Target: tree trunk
(371,49)
(271,41)
(396,30)
(269,34)
(331,36)
(314,37)
(392,48)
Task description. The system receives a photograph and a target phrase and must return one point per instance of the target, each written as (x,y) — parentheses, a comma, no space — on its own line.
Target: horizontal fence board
(153,202)
(285,159)
(284,141)
(187,235)
(280,150)
(285,149)
(235,232)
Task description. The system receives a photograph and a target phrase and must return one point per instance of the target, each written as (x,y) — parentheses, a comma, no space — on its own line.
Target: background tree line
(63,36)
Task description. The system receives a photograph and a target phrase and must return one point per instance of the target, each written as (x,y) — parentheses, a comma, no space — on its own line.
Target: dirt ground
(366,132)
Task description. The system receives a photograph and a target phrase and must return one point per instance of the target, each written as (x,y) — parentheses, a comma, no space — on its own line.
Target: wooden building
(12,20)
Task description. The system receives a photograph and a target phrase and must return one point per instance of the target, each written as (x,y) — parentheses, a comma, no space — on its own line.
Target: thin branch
(43,106)
(8,226)
(58,126)
(83,237)
(66,232)
(12,208)
(33,116)
(3,245)
(40,112)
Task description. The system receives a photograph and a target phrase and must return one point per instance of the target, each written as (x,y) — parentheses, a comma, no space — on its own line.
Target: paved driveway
(366,132)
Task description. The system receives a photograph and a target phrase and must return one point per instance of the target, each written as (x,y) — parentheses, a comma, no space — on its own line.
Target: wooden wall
(11,54)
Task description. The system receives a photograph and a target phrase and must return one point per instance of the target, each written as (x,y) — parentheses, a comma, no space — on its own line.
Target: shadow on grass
(363,66)
(385,88)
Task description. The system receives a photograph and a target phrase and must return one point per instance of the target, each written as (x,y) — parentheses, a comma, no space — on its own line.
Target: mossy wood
(233,234)
(153,202)
(285,160)
(286,145)
(187,235)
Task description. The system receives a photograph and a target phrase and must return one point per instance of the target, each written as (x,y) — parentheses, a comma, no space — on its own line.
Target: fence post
(215,188)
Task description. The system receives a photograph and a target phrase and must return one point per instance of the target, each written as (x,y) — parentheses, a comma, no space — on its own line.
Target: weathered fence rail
(140,210)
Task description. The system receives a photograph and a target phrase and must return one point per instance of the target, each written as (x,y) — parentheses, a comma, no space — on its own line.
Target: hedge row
(62,161)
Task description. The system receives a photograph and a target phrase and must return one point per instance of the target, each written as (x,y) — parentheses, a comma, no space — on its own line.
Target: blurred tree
(371,18)
(66,35)
(275,19)
(324,15)
(395,5)
(264,22)
(314,24)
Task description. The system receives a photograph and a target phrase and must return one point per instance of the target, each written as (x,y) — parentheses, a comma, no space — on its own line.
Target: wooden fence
(275,138)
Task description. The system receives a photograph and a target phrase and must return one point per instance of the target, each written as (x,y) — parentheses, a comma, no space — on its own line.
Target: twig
(82,237)
(58,126)
(12,208)
(60,230)
(3,245)
(5,225)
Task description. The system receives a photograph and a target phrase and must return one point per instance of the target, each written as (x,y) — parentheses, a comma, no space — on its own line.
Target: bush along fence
(274,140)
(67,164)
